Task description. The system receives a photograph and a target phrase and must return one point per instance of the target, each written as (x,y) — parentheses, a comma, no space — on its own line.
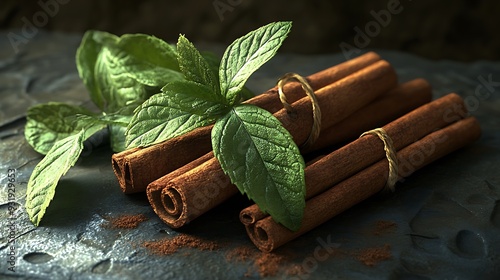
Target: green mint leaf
(48,123)
(214,63)
(246,94)
(194,66)
(86,59)
(117,138)
(147,59)
(247,54)
(117,125)
(262,160)
(111,119)
(43,181)
(115,86)
(103,38)
(120,70)
(180,108)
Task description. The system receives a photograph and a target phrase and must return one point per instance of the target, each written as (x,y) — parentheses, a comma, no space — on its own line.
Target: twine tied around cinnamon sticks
(390,153)
(316,128)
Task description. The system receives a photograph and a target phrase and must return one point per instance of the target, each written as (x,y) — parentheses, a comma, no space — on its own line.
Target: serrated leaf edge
(32,193)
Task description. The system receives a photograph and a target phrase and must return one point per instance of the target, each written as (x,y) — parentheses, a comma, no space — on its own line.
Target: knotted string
(391,155)
(316,127)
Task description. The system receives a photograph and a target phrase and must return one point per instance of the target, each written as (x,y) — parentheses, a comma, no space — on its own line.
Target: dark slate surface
(447,214)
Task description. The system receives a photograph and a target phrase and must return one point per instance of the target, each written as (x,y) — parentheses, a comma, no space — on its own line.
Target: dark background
(463,30)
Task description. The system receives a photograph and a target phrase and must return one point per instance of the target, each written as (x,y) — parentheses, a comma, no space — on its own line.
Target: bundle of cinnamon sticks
(136,168)
(361,169)
(183,179)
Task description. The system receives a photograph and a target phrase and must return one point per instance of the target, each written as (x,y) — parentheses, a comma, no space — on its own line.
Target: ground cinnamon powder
(372,256)
(384,227)
(169,246)
(241,254)
(265,264)
(126,221)
(269,264)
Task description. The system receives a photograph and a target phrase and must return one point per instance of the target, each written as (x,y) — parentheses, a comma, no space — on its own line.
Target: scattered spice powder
(241,254)
(384,227)
(269,264)
(169,246)
(126,221)
(372,256)
(266,264)
(295,269)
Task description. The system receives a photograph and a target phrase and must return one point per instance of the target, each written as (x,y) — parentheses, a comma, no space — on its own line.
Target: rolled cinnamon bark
(365,151)
(396,103)
(270,101)
(336,100)
(170,207)
(268,235)
(408,96)
(136,168)
(206,186)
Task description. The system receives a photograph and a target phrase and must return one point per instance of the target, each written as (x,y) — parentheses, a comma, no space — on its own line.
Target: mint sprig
(120,73)
(149,91)
(120,70)
(253,148)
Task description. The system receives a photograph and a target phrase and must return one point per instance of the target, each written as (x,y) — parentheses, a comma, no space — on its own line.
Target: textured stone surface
(38,72)
(447,215)
(460,30)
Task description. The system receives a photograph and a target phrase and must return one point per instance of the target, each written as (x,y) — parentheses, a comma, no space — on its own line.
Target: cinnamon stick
(397,102)
(269,100)
(365,151)
(171,206)
(268,235)
(206,186)
(136,168)
(167,202)
(337,100)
